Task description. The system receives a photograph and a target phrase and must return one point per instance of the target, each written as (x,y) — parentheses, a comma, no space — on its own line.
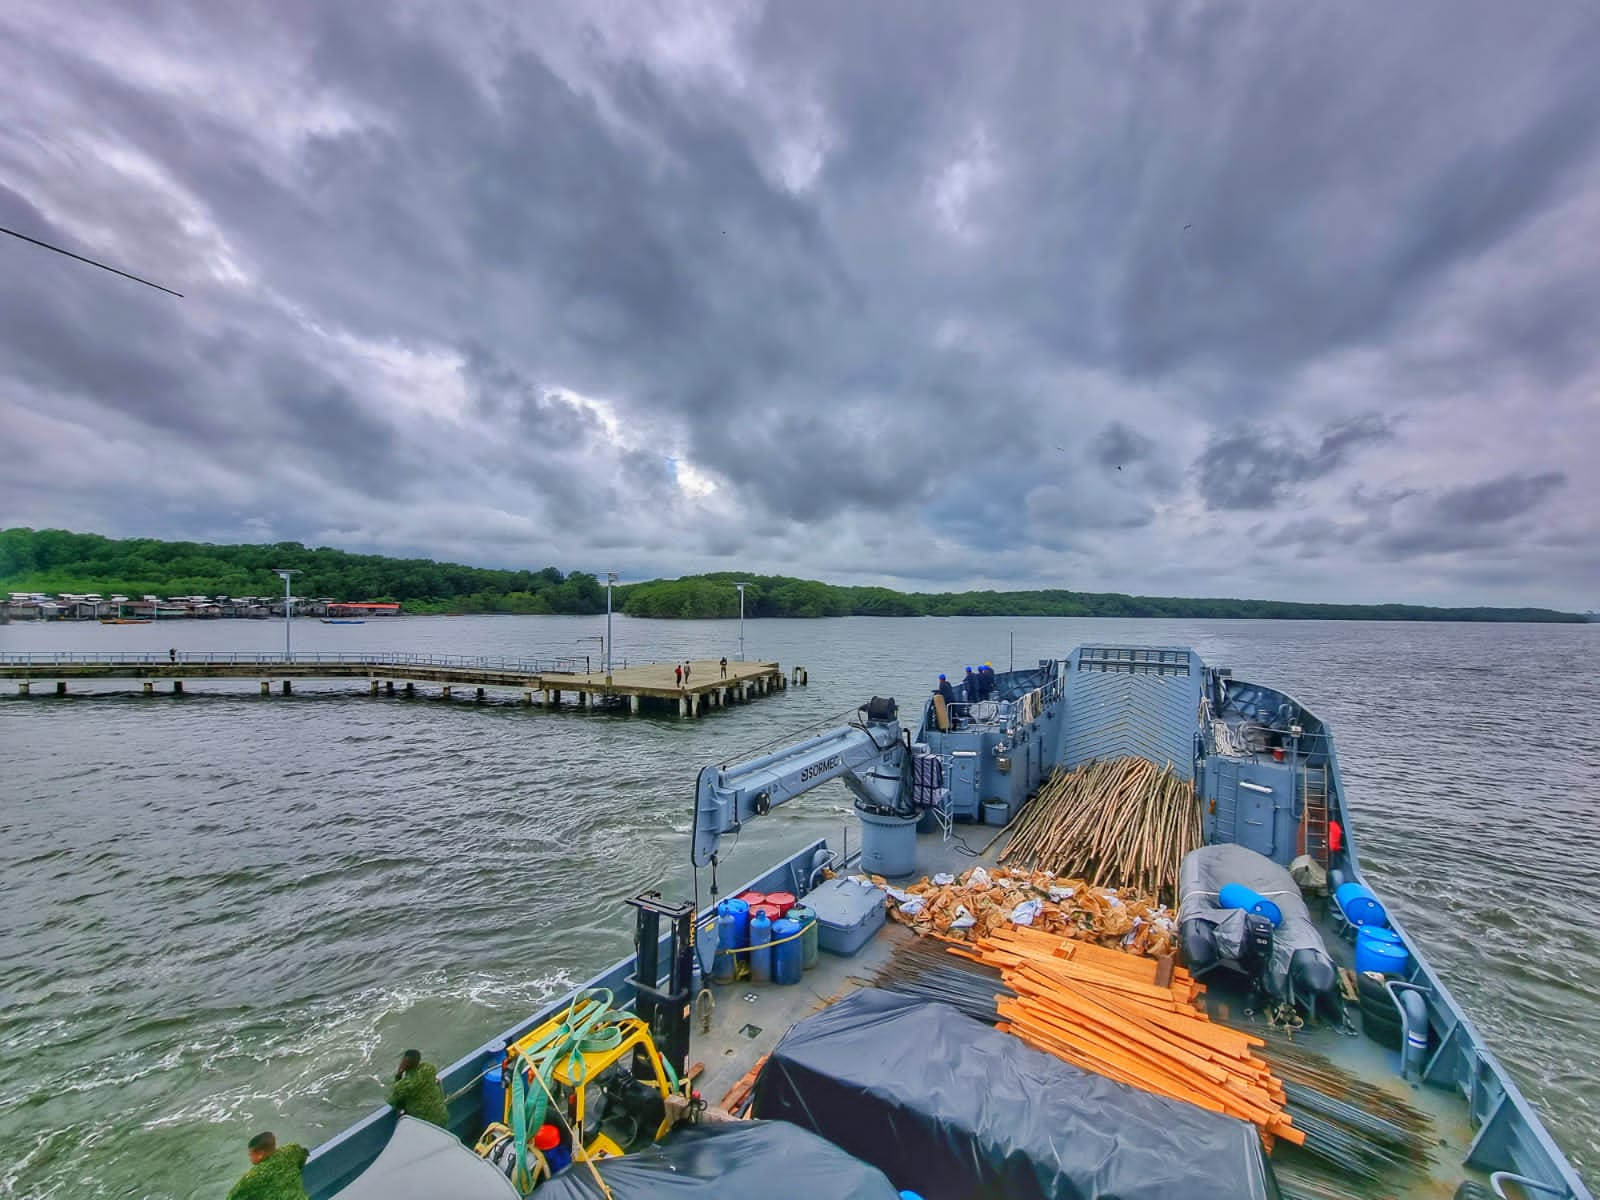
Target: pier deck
(549,680)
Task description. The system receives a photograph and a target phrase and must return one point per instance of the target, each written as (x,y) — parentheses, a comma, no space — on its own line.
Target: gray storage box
(849,912)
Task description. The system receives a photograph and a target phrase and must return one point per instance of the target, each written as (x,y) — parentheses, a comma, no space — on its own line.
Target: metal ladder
(1314,785)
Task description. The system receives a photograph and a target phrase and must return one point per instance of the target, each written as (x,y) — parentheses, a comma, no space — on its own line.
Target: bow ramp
(1132,700)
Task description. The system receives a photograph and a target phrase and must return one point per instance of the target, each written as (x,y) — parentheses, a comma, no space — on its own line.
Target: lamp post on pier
(611,578)
(285,573)
(741,586)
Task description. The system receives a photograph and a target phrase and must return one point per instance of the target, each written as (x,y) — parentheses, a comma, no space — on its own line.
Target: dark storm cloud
(1497,499)
(705,285)
(1117,446)
(1477,516)
(1258,469)
(1403,524)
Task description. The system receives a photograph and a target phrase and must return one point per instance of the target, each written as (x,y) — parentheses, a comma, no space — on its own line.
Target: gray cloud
(1118,446)
(1497,499)
(1479,516)
(813,286)
(1256,469)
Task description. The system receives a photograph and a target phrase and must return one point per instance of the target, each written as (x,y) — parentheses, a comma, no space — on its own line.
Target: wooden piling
(710,684)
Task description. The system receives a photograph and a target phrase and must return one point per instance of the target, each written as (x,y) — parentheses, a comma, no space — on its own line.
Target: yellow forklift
(592,1082)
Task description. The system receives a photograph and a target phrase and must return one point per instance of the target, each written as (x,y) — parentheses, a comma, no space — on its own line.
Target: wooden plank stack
(1123,823)
(1130,1019)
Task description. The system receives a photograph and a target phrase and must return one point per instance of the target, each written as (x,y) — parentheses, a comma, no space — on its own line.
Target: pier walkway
(550,680)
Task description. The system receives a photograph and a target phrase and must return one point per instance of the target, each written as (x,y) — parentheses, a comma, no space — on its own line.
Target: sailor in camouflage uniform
(274,1173)
(416,1091)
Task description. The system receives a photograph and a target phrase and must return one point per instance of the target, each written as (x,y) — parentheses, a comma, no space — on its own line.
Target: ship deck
(749,1019)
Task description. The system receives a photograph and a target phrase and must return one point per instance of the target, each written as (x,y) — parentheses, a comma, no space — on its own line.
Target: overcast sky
(1281,300)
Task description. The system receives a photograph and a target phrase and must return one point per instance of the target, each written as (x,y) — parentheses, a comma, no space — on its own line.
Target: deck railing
(249,658)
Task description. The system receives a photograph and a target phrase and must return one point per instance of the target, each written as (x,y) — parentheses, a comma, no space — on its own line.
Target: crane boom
(867,753)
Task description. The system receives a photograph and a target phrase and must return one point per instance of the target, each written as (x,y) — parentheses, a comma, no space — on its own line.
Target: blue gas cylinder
(808,943)
(728,941)
(740,912)
(1381,950)
(1236,895)
(1359,905)
(789,955)
(760,952)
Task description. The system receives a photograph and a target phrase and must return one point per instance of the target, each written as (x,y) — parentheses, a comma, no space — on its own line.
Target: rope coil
(590,1025)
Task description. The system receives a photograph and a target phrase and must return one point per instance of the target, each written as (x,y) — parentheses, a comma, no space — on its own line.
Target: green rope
(589,1026)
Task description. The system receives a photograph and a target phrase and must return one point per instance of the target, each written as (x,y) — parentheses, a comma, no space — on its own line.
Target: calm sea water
(223,913)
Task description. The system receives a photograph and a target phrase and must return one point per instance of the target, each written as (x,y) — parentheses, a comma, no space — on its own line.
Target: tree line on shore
(54,560)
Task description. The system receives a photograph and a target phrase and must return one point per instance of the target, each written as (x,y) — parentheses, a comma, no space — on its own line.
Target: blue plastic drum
(1359,906)
(808,922)
(1236,895)
(788,954)
(1381,950)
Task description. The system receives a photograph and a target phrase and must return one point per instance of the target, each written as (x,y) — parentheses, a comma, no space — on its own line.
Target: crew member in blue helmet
(986,680)
(972,686)
(944,689)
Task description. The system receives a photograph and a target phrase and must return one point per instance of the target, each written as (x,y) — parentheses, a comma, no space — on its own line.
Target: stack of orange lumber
(1130,1019)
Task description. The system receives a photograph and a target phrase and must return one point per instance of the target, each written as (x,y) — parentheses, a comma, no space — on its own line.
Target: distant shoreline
(58,562)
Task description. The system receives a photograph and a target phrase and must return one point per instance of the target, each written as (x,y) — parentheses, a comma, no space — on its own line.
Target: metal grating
(1135,660)
(1132,700)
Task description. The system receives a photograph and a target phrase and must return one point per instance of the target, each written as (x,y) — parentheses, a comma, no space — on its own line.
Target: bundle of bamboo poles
(1122,822)
(1130,1019)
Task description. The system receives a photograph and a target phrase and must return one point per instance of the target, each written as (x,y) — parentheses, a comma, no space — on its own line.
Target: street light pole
(741,587)
(285,573)
(611,578)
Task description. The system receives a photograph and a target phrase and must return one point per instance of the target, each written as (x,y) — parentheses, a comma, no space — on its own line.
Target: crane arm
(867,753)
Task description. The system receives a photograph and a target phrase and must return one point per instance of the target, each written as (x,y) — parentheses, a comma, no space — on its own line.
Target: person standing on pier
(686,665)
(416,1091)
(173,654)
(274,1172)
(724,666)
(677,673)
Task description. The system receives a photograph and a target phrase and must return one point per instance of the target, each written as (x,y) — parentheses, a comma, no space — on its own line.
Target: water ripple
(225,912)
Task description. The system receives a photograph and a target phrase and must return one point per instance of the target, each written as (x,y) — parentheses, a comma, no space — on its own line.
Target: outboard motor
(1255,951)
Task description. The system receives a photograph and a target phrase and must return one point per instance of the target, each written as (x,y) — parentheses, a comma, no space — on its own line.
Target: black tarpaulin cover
(742,1160)
(953,1109)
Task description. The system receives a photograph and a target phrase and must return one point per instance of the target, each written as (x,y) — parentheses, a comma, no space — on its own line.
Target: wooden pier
(649,685)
